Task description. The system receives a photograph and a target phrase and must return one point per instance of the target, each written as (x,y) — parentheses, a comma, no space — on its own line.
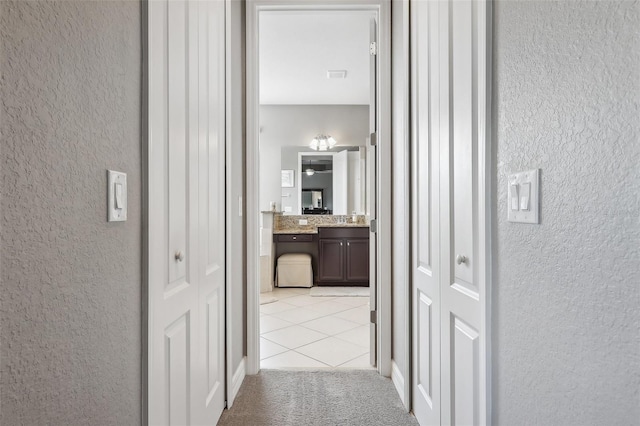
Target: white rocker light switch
(524,197)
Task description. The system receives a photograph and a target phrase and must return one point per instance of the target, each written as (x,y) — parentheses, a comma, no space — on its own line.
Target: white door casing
(186,205)
(450,77)
(383,179)
(372,162)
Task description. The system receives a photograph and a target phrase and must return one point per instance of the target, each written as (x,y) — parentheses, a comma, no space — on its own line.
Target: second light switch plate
(116,196)
(524,197)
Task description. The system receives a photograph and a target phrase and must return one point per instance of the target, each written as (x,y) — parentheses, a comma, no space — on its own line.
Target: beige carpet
(319,398)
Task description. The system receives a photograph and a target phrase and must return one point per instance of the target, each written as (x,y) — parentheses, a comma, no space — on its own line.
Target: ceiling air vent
(336,74)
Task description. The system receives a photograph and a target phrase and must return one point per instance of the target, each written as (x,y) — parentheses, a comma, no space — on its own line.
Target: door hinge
(373,226)
(373,317)
(373,48)
(373,139)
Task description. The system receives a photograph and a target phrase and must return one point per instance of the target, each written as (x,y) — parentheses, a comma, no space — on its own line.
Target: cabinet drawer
(294,238)
(346,232)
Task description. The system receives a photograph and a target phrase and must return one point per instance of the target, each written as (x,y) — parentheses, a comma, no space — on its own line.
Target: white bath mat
(267,298)
(331,291)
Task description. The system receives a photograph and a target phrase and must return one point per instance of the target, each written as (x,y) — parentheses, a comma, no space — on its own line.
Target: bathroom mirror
(312,201)
(328,182)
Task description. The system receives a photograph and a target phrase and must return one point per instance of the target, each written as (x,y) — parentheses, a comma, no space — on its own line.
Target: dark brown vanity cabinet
(343,256)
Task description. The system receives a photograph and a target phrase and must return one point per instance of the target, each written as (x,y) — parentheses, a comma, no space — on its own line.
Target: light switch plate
(116,196)
(519,181)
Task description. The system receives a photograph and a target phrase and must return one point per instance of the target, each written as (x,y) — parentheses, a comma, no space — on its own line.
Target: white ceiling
(298,48)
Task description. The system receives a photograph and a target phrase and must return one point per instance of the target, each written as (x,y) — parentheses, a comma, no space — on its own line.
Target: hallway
(155,319)
(287,398)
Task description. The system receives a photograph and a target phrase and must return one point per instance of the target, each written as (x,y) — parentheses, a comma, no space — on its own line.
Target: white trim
(402,177)
(383,215)
(399,382)
(252,174)
(229,326)
(237,379)
(486,218)
(384,198)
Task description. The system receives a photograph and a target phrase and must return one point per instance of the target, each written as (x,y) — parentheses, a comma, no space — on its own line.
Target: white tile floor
(300,331)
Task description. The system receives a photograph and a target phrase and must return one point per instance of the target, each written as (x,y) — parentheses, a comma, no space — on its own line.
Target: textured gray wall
(71,283)
(566,312)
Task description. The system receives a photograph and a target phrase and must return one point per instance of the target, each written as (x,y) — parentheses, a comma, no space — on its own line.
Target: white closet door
(463,63)
(425,156)
(186,210)
(450,184)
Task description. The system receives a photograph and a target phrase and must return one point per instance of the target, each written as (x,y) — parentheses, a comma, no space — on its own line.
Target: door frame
(383,178)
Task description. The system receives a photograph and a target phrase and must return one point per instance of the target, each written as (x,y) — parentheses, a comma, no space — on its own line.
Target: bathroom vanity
(339,252)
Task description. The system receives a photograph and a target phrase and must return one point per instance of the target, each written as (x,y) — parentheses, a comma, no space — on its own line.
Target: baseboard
(398,381)
(238,378)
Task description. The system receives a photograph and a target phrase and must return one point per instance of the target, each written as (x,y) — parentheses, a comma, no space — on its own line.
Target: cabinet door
(357,260)
(331,260)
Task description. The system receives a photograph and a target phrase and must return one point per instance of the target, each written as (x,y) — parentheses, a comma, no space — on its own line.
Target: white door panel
(177,342)
(465,372)
(186,212)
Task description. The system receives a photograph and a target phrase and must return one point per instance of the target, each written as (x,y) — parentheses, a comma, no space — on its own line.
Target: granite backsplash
(282,222)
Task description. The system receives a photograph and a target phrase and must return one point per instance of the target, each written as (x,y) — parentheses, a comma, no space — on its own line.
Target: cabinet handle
(340,243)
(348,243)
(461,259)
(295,238)
(179,256)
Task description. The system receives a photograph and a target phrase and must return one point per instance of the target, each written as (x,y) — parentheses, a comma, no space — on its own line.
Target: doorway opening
(312,184)
(314,131)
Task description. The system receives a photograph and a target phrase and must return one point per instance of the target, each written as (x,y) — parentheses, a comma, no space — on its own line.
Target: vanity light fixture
(310,172)
(322,143)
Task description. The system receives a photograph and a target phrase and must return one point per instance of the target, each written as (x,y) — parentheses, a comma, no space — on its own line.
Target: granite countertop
(296,231)
(314,229)
(344,225)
